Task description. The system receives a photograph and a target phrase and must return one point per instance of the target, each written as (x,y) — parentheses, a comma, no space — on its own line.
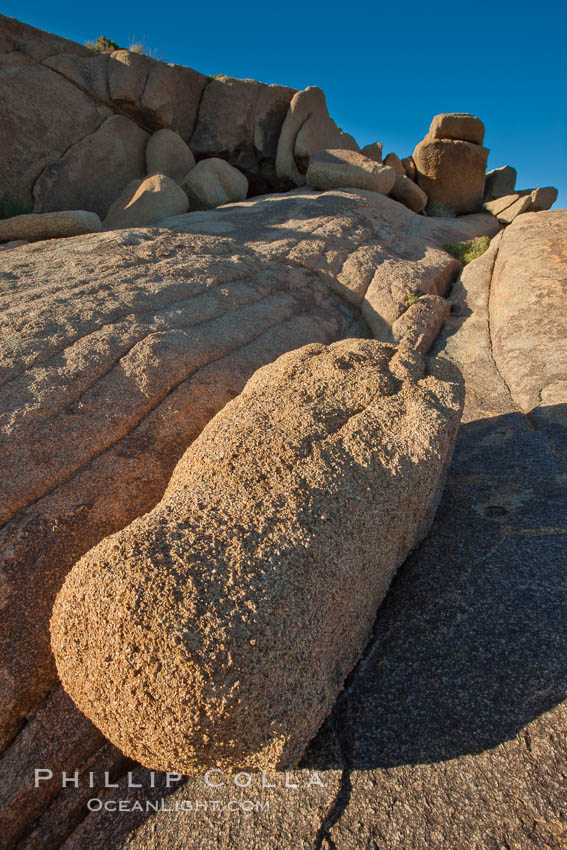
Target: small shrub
(467,251)
(413,297)
(142,49)
(102,45)
(440,210)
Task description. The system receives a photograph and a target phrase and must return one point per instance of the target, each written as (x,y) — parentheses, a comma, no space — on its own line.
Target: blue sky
(386,68)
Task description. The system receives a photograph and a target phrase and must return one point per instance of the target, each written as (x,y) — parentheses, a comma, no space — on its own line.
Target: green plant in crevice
(465,252)
(102,44)
(413,297)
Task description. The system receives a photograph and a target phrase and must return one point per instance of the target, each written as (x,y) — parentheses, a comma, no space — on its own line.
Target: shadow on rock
(470,644)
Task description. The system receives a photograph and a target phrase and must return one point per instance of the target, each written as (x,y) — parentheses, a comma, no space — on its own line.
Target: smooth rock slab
(528,309)
(218,629)
(55,225)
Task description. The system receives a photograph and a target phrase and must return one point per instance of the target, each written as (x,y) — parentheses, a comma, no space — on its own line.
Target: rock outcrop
(162,329)
(218,630)
(527,309)
(307,129)
(92,173)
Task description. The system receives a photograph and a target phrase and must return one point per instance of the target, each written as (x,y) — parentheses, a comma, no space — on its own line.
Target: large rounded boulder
(219,628)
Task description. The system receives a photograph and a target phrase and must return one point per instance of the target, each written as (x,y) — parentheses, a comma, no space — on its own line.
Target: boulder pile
(129,117)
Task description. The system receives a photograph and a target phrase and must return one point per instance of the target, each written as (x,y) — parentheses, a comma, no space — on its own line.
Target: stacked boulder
(450,162)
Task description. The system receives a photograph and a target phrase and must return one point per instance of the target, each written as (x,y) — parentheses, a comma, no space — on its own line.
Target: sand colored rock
(167,153)
(520,205)
(451,173)
(528,308)
(407,192)
(93,172)
(306,130)
(247,595)
(393,161)
(145,202)
(334,169)
(35,227)
(373,151)
(422,321)
(212,183)
(460,126)
(163,327)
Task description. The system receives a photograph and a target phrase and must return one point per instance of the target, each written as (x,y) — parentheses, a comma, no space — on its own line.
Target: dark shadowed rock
(30,137)
(92,173)
(499,182)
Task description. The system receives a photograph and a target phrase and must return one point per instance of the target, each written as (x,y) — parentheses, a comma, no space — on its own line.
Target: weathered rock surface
(499,182)
(542,199)
(162,328)
(335,169)
(93,172)
(212,183)
(21,44)
(240,121)
(33,228)
(409,166)
(451,732)
(460,126)
(507,207)
(407,192)
(167,153)
(307,129)
(30,138)
(153,94)
(528,309)
(373,151)
(451,173)
(244,599)
(394,161)
(145,202)
(422,321)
